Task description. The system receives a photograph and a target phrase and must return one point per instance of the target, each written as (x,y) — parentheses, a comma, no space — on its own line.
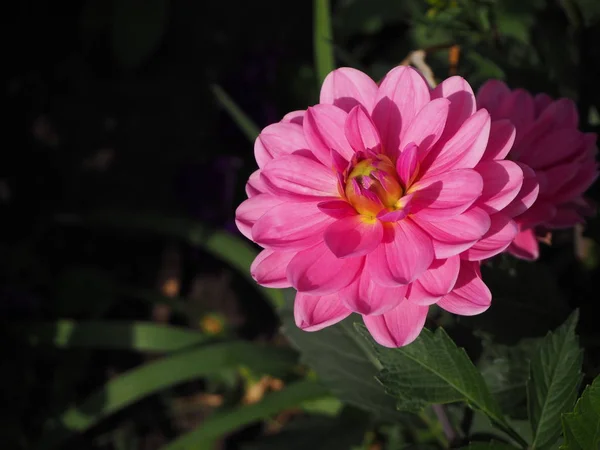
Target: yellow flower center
(372,186)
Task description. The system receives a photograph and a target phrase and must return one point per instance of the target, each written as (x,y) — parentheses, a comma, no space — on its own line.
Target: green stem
(439,435)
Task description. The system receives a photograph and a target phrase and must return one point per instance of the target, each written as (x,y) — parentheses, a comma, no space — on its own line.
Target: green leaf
(582,426)
(506,370)
(137,336)
(555,374)
(224,246)
(323,39)
(153,377)
(244,123)
(344,363)
(433,370)
(138,27)
(227,421)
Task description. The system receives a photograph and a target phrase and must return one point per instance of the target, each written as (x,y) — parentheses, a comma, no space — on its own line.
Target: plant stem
(449,432)
(440,437)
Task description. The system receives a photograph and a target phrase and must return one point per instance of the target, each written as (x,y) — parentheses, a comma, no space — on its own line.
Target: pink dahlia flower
(381,200)
(563,159)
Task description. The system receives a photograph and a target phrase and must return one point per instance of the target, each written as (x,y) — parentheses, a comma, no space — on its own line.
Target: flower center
(372,186)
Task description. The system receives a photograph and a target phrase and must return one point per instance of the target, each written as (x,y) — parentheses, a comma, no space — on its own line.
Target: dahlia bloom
(382,200)
(562,157)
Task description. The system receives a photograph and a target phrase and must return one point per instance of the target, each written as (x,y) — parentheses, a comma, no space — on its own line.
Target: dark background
(109,108)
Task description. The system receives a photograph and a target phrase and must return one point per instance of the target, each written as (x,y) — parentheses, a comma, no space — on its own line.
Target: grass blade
(323,39)
(245,124)
(224,246)
(227,421)
(136,336)
(153,377)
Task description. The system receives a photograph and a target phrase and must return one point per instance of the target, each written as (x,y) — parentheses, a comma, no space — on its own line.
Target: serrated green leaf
(138,27)
(224,246)
(433,370)
(136,336)
(228,421)
(555,374)
(323,39)
(581,428)
(153,377)
(244,123)
(344,363)
(506,370)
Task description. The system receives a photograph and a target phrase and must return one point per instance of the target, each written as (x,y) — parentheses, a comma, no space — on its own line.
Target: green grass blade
(323,39)
(228,421)
(153,377)
(245,124)
(137,336)
(225,246)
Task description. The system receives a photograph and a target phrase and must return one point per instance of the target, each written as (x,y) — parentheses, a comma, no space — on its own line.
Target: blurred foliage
(130,320)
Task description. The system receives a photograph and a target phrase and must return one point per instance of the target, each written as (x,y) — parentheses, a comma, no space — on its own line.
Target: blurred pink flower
(562,159)
(381,200)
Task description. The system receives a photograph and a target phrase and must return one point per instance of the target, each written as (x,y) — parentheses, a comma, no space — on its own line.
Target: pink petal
(313,313)
(518,107)
(255,184)
(324,130)
(540,212)
(269,268)
(318,271)
(542,101)
(563,113)
(404,254)
(366,297)
(299,178)
(470,295)
(406,165)
(427,126)
(578,185)
(446,195)
(491,94)
(277,140)
(502,138)
(436,282)
(457,234)
(401,95)
(525,246)
(566,217)
(337,209)
(463,150)
(557,146)
(253,209)
(398,327)
(361,132)
(462,102)
(353,236)
(393,216)
(291,226)
(346,87)
(526,196)
(294,117)
(502,182)
(553,179)
(501,233)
